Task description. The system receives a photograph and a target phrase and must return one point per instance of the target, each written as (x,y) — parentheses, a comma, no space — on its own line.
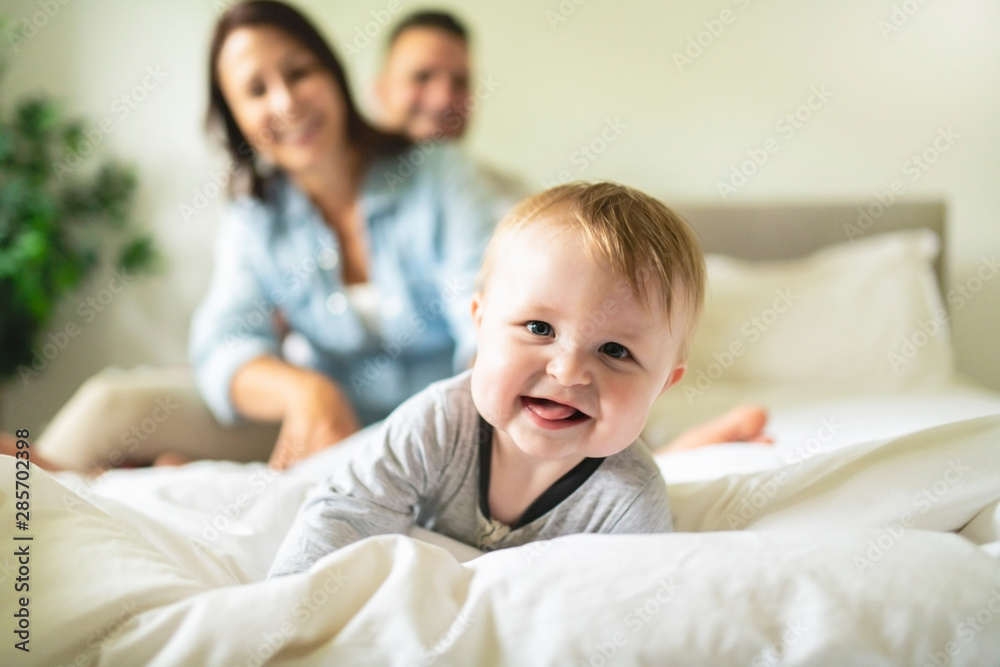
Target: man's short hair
(430,19)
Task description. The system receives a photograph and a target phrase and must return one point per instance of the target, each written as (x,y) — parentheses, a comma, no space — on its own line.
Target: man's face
(424,86)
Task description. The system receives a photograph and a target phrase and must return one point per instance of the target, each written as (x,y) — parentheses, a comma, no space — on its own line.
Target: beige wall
(563,74)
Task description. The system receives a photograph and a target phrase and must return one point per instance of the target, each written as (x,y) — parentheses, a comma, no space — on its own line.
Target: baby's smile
(551,414)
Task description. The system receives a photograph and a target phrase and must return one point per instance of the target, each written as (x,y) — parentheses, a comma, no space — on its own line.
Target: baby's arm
(639,487)
(649,512)
(376,494)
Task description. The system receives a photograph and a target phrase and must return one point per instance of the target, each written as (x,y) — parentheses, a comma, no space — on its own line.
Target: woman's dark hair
(370,142)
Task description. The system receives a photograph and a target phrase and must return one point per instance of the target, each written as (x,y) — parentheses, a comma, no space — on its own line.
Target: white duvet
(877,553)
(868,535)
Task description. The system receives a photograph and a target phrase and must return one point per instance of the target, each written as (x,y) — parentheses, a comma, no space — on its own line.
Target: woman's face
(287,105)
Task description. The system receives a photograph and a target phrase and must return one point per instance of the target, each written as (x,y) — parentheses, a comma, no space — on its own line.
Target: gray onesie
(428,465)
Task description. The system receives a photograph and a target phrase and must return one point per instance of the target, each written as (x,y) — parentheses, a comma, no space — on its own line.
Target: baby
(587,299)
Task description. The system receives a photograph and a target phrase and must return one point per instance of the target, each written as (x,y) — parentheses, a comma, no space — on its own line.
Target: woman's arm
(314,412)
(234,351)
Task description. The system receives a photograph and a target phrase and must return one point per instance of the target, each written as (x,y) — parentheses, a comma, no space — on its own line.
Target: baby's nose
(569,366)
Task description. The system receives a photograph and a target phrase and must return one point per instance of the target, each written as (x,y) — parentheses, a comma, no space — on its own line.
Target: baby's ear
(675,376)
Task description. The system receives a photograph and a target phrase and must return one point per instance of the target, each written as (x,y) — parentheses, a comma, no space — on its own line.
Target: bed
(868,534)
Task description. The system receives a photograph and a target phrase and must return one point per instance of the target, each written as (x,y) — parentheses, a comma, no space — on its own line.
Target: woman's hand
(314,412)
(317,415)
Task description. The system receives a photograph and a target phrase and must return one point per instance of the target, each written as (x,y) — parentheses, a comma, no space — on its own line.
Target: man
(423,88)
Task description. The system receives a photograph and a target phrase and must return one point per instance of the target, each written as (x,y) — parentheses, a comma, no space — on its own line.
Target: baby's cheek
(485,390)
(630,419)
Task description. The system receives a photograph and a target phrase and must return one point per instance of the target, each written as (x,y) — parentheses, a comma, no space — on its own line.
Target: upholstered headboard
(782,231)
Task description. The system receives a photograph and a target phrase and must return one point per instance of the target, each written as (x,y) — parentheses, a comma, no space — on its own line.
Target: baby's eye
(615,350)
(539,328)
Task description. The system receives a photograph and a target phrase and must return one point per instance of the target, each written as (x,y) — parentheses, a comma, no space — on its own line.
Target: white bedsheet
(847,557)
(805,421)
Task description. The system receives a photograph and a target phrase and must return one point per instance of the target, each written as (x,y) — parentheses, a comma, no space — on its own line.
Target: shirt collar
(380,195)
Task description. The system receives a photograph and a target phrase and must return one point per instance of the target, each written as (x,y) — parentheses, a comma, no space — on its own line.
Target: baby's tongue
(550,410)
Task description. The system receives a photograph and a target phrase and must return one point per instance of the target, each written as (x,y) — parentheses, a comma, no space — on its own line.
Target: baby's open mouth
(552,410)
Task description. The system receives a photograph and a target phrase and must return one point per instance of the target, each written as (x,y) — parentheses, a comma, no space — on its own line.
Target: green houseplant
(63,212)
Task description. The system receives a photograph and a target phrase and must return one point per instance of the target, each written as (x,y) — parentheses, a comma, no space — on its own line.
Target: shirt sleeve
(233,324)
(649,511)
(380,490)
(471,207)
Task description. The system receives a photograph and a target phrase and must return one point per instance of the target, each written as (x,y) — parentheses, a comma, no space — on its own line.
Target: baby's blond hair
(638,237)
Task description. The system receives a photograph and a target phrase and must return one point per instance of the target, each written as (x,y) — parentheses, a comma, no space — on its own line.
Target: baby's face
(569,360)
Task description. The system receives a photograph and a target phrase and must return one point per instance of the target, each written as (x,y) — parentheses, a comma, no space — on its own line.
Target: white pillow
(865,316)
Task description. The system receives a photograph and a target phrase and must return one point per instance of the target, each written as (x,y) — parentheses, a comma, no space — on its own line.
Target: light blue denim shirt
(428,215)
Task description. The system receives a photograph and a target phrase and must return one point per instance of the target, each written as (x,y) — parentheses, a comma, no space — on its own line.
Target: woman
(366,246)
(363,244)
